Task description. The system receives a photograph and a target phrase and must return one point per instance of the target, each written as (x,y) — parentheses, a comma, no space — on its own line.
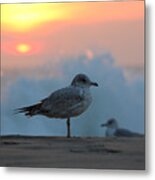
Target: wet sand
(76,152)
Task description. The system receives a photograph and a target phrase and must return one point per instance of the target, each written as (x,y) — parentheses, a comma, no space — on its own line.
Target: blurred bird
(64,103)
(113,130)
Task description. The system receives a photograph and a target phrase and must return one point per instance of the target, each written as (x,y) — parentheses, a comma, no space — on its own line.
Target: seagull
(114,131)
(64,103)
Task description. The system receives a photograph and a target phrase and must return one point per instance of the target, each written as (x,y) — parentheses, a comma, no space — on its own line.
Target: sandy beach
(76,152)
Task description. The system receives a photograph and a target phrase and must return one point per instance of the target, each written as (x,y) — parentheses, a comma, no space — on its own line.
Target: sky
(44,45)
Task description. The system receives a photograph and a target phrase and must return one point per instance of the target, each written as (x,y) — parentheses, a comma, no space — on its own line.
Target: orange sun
(23,48)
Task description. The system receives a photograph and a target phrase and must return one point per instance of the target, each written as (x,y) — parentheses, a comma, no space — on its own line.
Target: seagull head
(111,123)
(82,80)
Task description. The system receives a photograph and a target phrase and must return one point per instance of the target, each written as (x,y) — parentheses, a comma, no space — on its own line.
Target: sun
(23,48)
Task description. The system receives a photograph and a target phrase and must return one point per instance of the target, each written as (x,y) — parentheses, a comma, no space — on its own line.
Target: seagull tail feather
(30,110)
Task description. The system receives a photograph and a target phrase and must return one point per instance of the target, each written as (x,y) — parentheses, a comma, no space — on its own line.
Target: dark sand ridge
(75,152)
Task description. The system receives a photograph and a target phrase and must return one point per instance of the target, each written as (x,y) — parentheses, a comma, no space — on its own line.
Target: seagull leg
(68,127)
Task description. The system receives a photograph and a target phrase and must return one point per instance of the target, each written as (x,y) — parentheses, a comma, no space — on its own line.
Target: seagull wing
(127,133)
(123,132)
(62,102)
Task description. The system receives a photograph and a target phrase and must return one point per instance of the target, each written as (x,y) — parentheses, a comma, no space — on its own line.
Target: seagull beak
(94,84)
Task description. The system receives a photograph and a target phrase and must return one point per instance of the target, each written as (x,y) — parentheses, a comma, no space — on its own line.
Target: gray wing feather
(126,133)
(63,100)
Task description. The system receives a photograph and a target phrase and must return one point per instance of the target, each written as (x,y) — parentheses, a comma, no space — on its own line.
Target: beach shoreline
(76,152)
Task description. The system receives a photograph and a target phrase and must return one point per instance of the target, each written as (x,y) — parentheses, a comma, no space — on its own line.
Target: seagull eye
(83,80)
(110,122)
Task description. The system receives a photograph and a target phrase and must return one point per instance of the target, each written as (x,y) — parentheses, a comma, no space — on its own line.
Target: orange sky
(25,17)
(33,34)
